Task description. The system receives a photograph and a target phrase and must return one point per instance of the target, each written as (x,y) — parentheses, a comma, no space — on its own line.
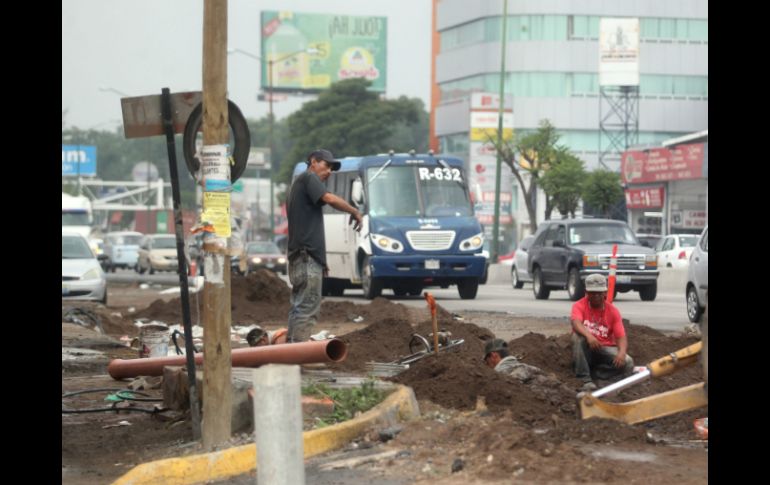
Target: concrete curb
(400,405)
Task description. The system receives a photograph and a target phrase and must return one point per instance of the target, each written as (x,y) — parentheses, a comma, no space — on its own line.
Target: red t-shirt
(604,324)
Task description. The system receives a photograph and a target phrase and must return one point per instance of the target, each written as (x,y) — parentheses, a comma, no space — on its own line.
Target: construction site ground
(488,427)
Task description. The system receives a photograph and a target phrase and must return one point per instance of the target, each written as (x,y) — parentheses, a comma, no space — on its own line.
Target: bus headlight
(387,243)
(472,243)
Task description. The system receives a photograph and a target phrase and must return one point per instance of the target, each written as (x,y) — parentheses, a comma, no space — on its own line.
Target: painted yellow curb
(400,405)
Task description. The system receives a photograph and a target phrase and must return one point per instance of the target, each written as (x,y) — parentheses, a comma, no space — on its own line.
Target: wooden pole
(217,391)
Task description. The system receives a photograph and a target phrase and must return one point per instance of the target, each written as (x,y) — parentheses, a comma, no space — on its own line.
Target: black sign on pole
(168,126)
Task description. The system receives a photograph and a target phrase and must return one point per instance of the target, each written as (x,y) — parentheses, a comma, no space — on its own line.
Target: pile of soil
(387,339)
(458,378)
(260,297)
(645,344)
(264,298)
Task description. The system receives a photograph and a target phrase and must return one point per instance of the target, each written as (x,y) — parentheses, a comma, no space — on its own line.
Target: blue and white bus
(418,231)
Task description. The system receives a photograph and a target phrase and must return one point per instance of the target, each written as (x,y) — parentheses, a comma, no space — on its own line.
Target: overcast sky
(138,47)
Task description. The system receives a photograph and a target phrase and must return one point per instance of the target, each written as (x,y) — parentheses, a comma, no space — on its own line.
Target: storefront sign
(645,198)
(660,164)
(689,219)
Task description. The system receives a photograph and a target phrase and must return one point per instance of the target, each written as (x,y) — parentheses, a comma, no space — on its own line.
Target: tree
(536,152)
(603,190)
(563,182)
(347,119)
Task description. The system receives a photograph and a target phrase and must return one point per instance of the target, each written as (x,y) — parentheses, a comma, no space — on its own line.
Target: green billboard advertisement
(311,51)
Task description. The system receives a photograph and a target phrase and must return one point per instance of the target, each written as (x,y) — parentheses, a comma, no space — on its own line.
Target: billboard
(78,160)
(342,46)
(618,52)
(685,162)
(483,159)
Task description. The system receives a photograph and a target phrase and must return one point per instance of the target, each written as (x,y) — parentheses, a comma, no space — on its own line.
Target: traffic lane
(131,276)
(666,313)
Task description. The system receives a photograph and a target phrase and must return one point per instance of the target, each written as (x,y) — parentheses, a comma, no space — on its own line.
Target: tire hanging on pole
(240,133)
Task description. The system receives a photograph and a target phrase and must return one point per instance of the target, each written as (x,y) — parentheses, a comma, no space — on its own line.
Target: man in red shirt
(599,341)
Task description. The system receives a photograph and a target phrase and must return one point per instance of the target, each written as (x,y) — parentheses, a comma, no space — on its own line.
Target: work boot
(588,386)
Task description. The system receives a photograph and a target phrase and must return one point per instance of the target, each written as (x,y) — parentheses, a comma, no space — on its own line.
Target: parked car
(519,268)
(82,277)
(265,255)
(649,240)
(698,278)
(157,252)
(565,252)
(121,249)
(674,250)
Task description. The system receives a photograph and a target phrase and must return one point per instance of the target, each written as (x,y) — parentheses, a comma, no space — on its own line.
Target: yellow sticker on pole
(216,210)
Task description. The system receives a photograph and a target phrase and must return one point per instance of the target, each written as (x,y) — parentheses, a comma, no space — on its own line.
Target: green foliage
(538,150)
(347,402)
(564,180)
(533,154)
(349,120)
(603,190)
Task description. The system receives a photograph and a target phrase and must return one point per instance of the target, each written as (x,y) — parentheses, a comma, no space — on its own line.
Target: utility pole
(496,226)
(217,391)
(272,164)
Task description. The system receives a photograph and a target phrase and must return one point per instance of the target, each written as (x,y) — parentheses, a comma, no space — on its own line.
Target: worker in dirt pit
(258,336)
(599,342)
(498,357)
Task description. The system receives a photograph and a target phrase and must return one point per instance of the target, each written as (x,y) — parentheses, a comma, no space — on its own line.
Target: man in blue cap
(307,247)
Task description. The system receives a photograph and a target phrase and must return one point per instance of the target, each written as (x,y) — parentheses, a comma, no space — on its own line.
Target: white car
(674,250)
(82,277)
(519,272)
(698,278)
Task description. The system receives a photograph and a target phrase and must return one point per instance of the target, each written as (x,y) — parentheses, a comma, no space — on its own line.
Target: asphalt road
(666,313)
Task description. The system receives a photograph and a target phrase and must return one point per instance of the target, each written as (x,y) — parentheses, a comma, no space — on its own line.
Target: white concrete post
(278,425)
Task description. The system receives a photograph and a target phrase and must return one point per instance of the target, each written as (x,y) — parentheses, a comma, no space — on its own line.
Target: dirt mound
(260,286)
(458,383)
(387,338)
(378,309)
(260,297)
(382,341)
(645,345)
(264,298)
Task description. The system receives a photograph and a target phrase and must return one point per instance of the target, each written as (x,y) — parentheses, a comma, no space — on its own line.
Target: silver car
(82,277)
(519,272)
(698,278)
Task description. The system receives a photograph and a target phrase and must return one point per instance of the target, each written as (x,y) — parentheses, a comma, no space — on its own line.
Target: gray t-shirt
(306,221)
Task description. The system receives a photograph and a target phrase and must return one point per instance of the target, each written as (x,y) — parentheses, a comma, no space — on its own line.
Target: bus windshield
(75,219)
(418,191)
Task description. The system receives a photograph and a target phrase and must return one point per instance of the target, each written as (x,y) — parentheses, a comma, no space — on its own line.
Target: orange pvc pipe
(333,350)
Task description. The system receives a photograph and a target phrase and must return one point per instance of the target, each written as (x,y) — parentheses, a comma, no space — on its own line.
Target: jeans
(306,278)
(586,359)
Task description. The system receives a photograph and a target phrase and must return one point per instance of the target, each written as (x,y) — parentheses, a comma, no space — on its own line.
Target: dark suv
(566,251)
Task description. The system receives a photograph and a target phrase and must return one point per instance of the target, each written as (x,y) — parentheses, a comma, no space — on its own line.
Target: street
(666,313)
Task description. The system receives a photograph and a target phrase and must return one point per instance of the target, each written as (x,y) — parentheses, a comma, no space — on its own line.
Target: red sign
(646,198)
(660,164)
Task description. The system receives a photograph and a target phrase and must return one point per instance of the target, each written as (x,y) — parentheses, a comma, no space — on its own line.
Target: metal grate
(430,240)
(624,262)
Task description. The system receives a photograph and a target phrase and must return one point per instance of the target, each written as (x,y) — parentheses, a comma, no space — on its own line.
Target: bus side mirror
(357,193)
